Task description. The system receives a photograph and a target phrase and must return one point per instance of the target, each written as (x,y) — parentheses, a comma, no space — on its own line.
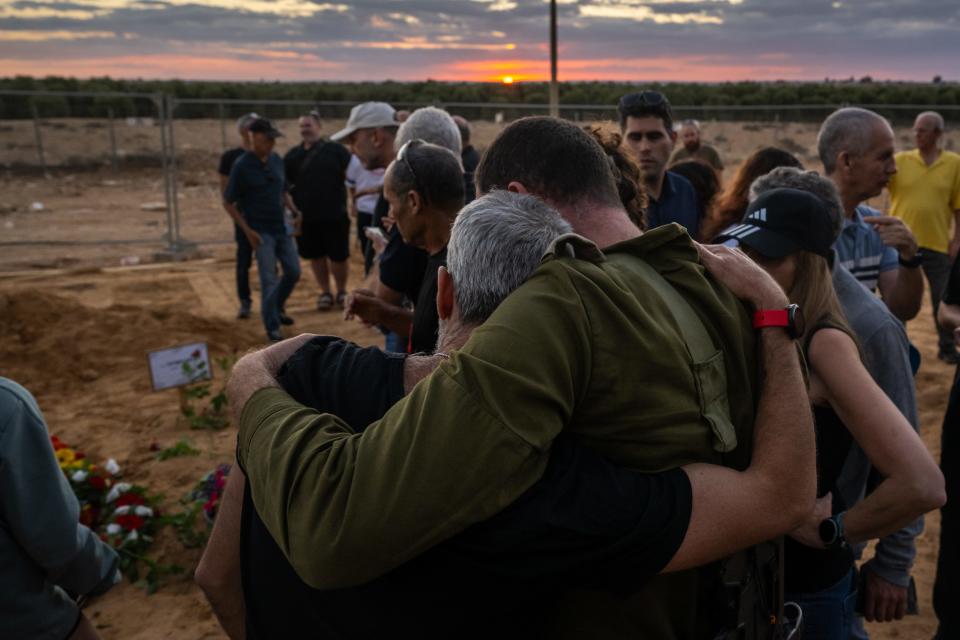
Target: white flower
(142,511)
(79,476)
(117,490)
(111,466)
(125,509)
(113,529)
(131,536)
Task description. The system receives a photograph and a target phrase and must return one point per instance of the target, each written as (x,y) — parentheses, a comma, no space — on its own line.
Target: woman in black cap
(789,233)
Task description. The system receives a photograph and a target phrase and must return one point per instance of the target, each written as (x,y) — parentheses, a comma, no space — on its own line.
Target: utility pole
(554,88)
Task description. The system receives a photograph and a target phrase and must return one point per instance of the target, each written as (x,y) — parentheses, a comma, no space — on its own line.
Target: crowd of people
(617,397)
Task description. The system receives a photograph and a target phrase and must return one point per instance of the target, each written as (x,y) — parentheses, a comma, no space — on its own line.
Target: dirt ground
(76,325)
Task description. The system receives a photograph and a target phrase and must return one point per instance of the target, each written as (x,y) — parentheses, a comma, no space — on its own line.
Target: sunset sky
(636,40)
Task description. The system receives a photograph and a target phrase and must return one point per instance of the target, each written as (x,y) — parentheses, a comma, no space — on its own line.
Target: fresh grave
(127,516)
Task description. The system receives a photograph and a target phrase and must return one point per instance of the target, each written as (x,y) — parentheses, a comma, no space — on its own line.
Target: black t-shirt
(951,295)
(805,569)
(470,158)
(585,523)
(426,320)
(316,178)
(402,266)
(227,159)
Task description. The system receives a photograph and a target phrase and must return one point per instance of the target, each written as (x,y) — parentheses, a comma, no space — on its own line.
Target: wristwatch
(831,532)
(913,262)
(790,318)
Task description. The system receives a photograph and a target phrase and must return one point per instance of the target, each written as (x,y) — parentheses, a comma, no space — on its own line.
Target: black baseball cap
(262,125)
(783,221)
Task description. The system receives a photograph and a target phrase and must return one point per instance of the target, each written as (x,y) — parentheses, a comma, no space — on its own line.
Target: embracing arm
(218,573)
(347,507)
(913,484)
(732,509)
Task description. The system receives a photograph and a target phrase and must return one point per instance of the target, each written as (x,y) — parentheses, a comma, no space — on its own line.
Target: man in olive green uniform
(594,347)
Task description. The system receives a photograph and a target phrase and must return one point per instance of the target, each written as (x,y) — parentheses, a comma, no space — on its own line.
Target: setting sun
(507,80)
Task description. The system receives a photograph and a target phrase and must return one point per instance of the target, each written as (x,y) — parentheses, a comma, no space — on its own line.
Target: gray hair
(938,123)
(496,243)
(809,181)
(695,124)
(848,129)
(432,125)
(244,121)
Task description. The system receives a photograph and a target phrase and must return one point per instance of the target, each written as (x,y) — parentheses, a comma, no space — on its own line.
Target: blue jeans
(273,292)
(828,614)
(244,262)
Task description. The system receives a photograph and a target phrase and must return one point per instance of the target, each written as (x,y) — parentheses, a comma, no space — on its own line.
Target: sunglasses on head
(643,98)
(402,157)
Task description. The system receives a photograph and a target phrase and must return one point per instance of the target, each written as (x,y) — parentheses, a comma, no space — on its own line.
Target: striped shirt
(862,252)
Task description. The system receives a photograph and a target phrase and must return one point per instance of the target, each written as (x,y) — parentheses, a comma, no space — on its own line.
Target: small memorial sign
(179,366)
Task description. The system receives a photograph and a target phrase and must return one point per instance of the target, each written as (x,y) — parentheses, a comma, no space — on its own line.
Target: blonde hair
(813,290)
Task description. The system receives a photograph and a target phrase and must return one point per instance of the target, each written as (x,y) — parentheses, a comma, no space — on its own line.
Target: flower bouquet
(90,482)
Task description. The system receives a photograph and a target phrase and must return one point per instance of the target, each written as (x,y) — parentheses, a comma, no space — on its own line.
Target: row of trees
(602,94)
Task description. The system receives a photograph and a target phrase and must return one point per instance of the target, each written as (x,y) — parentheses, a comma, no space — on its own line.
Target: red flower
(79,455)
(97,483)
(195,354)
(130,522)
(130,498)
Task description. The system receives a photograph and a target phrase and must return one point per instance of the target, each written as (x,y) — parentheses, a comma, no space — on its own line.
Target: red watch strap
(771,318)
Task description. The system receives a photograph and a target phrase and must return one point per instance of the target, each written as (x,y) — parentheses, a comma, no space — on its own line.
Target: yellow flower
(65,456)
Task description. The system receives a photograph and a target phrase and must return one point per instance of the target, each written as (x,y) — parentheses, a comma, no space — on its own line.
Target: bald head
(927,131)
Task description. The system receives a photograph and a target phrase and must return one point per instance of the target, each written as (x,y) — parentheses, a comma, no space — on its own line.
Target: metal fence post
(113,140)
(38,137)
(171,106)
(160,101)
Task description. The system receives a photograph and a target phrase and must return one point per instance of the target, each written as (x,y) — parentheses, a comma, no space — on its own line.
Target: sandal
(324,302)
(341,299)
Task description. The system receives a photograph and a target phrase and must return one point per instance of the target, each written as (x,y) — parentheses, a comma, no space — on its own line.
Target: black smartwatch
(913,262)
(831,532)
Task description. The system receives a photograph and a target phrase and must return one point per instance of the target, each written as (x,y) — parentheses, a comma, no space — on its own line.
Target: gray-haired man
(244,250)
(856,148)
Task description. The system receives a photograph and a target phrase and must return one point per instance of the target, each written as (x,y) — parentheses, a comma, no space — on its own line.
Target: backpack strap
(707,362)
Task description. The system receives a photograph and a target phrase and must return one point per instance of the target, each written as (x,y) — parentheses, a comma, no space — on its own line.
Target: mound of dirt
(56,343)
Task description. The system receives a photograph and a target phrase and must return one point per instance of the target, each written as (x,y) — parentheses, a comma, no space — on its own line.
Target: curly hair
(626,172)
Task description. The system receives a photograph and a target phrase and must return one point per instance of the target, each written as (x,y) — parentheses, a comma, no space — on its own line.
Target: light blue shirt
(861,250)
(44,550)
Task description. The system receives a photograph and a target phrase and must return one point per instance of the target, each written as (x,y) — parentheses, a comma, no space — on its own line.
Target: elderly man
(560,354)
(885,348)
(695,149)
(244,250)
(646,122)
(255,197)
(316,173)
(403,266)
(856,148)
(925,194)
(424,187)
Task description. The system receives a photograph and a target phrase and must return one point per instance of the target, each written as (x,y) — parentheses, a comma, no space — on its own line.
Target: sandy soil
(76,327)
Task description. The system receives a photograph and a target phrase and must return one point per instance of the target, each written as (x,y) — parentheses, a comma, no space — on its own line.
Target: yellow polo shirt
(925,197)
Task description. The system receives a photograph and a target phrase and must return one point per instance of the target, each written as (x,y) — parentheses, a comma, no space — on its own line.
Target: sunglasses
(642,99)
(402,157)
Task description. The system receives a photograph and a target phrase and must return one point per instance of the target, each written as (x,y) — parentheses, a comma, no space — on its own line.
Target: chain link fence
(143,165)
